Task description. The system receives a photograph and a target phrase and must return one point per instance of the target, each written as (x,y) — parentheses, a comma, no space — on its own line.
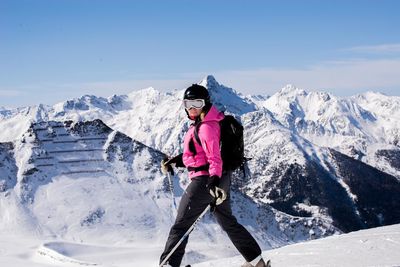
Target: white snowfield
(373,247)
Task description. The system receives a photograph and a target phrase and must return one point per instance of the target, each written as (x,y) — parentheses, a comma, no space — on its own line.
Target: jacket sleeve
(210,141)
(178,161)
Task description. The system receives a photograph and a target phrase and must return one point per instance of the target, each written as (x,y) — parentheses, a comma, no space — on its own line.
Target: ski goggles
(194,103)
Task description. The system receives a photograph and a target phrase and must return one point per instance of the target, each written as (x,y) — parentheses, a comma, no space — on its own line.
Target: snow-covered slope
(82,180)
(8,168)
(296,177)
(385,154)
(373,247)
(14,122)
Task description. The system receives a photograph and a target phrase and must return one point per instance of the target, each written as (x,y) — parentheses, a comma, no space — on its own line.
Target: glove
(166,167)
(167,164)
(218,193)
(177,160)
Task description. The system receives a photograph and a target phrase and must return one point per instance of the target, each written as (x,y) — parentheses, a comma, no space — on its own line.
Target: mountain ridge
(300,181)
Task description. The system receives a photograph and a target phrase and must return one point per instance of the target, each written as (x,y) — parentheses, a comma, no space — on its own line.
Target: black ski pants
(194,200)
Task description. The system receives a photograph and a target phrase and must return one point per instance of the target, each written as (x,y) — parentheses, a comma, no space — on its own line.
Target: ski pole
(171,188)
(185,235)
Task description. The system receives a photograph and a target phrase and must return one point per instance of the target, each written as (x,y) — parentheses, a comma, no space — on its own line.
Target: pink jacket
(209,150)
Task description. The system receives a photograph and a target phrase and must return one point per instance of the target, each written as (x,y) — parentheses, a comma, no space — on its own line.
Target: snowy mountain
(15,122)
(385,154)
(8,168)
(227,99)
(365,127)
(84,182)
(64,178)
(301,179)
(86,170)
(149,116)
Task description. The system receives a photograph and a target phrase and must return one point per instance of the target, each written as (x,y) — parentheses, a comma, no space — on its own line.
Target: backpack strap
(192,148)
(196,132)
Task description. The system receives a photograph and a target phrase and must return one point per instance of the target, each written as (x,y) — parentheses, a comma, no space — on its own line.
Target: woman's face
(194,112)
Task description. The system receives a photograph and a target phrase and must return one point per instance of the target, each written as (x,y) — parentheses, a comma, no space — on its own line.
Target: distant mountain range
(320,164)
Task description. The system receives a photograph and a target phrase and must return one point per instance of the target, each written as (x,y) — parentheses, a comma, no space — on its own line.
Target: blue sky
(53,50)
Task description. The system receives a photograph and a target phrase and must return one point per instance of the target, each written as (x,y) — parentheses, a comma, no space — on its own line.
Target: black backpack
(232,145)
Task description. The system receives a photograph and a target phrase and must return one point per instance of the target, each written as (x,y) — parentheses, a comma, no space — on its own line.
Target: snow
(82,182)
(83,192)
(373,247)
(355,126)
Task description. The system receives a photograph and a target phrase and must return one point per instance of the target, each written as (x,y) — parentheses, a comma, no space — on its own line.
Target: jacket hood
(214,115)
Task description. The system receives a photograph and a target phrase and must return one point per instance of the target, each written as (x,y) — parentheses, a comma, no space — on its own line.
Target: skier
(209,182)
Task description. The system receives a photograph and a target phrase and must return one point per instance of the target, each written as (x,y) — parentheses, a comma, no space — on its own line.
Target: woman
(209,182)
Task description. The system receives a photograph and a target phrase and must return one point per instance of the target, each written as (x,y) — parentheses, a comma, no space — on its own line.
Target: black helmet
(196,91)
